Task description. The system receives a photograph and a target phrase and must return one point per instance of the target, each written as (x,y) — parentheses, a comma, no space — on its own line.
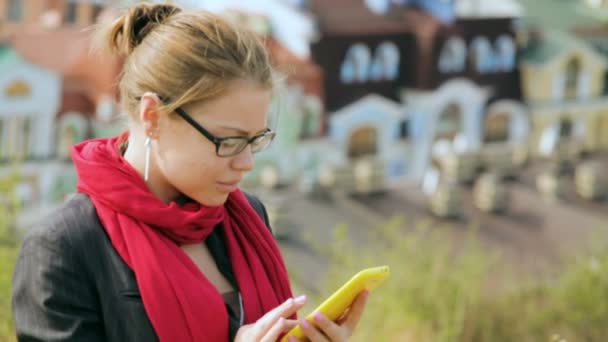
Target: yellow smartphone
(334,306)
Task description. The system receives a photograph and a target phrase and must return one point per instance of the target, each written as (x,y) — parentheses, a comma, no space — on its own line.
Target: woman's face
(187,160)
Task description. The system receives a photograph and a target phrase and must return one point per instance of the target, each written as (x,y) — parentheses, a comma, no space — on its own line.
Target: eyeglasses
(231,146)
(227,146)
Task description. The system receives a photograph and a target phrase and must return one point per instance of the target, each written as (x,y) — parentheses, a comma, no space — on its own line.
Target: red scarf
(181,303)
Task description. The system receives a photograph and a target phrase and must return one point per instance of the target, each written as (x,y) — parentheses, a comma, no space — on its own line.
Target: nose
(244,161)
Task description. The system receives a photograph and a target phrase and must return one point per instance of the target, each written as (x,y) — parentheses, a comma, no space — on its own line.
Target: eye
(231,143)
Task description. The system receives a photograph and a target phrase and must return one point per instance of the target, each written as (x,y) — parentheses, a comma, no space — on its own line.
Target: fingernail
(318,317)
(289,301)
(300,300)
(305,324)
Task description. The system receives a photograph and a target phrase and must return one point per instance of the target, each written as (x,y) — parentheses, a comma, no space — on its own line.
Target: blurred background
(461,142)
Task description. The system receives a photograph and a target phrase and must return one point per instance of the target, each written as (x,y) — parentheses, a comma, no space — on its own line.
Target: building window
(565,128)
(386,62)
(15,137)
(363,142)
(573,69)
(505,50)
(449,123)
(25,127)
(21,137)
(15,10)
(496,128)
(356,64)
(71,11)
(18,88)
(482,55)
(404,130)
(453,56)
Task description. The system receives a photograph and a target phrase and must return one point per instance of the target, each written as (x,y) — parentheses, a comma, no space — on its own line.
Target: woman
(160,243)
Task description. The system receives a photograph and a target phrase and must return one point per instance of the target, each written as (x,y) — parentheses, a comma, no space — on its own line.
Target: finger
(273,334)
(331,329)
(290,324)
(356,310)
(312,332)
(343,316)
(288,308)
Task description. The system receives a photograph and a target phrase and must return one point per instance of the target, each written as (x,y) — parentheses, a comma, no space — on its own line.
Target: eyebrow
(241,131)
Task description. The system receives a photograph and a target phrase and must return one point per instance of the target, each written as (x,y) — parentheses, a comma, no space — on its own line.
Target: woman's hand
(272,324)
(325,330)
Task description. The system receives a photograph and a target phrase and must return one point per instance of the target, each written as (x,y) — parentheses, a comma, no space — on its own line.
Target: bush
(8,254)
(442,291)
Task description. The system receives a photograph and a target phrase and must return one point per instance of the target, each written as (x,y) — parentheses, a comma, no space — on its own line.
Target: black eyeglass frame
(217,141)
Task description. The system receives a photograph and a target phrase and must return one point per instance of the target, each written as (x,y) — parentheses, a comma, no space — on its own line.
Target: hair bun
(130,29)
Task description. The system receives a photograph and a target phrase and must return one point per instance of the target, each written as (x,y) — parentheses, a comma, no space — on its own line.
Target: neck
(135,155)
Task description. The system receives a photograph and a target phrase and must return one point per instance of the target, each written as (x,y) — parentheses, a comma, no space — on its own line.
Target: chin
(214,200)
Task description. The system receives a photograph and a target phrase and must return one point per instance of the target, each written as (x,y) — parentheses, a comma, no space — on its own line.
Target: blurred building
(401,84)
(375,91)
(54,92)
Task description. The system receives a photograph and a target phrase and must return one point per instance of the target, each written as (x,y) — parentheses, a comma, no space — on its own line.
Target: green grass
(442,292)
(8,255)
(438,291)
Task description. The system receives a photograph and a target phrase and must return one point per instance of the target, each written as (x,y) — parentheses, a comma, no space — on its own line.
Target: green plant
(442,291)
(8,252)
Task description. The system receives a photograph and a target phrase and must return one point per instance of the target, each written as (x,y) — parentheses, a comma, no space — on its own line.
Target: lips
(228,186)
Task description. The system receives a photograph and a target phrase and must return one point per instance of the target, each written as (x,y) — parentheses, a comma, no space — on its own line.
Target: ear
(149,114)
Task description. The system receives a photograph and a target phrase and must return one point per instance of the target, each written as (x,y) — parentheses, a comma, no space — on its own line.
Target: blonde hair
(184,56)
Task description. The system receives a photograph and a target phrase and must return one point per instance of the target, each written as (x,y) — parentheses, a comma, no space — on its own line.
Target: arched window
(573,69)
(356,64)
(505,50)
(566,128)
(18,88)
(347,71)
(449,123)
(482,55)
(496,128)
(453,55)
(378,6)
(363,142)
(386,62)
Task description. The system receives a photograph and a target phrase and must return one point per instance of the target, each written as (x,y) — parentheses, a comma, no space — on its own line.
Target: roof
(8,55)
(549,45)
(564,15)
(354,17)
(302,71)
(67,52)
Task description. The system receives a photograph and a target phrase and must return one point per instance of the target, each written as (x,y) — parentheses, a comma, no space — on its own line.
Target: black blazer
(70,284)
